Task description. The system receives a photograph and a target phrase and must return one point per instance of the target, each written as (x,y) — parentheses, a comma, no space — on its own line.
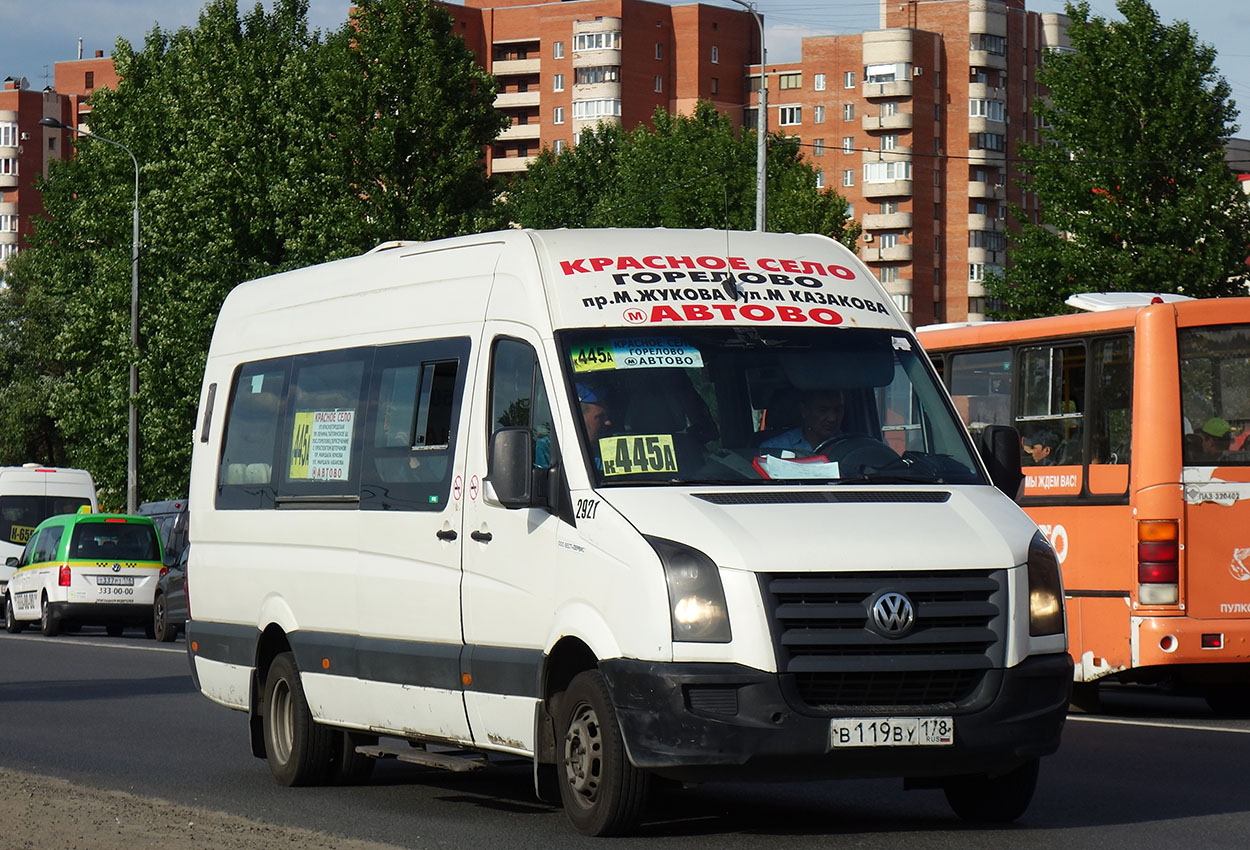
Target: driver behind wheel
(821,411)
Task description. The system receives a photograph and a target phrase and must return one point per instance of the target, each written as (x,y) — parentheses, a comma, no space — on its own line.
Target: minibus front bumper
(700,721)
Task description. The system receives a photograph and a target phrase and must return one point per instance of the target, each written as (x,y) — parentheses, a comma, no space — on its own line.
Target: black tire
(602,792)
(12,624)
(1085,698)
(161,629)
(350,767)
(299,750)
(114,629)
(993,799)
(50,626)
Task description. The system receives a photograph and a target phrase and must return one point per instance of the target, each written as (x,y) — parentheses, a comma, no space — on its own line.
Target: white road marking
(110,644)
(1116,721)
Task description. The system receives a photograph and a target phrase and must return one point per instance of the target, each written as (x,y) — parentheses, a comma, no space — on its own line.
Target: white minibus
(31,493)
(633,505)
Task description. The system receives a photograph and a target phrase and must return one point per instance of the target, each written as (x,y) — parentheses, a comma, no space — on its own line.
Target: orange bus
(1133,424)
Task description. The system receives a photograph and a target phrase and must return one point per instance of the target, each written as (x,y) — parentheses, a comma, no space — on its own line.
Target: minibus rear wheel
(48,624)
(299,750)
(12,624)
(603,793)
(993,799)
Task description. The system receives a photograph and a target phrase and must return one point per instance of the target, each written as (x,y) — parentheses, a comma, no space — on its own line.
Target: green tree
(1134,192)
(681,171)
(262,147)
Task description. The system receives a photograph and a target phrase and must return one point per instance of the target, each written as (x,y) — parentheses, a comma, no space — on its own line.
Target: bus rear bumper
(1173,641)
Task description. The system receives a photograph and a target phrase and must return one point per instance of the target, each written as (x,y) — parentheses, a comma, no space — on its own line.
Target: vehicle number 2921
(892,732)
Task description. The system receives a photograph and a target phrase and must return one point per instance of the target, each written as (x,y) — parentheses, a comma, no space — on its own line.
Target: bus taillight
(1158,562)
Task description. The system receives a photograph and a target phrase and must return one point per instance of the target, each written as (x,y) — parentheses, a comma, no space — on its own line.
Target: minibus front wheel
(297,748)
(603,793)
(993,799)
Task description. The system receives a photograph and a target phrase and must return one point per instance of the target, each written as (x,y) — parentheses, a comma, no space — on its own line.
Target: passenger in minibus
(1039,448)
(1216,435)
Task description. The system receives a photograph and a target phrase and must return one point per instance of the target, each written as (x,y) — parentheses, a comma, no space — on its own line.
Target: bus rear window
(1215,394)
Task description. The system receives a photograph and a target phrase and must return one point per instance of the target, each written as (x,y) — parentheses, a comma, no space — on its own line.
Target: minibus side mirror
(999,446)
(10,561)
(511,467)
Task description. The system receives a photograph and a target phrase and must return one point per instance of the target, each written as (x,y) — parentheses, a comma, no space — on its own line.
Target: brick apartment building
(26,148)
(916,124)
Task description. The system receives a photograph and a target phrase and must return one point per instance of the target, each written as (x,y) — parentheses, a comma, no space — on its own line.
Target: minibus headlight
(1045,589)
(695,595)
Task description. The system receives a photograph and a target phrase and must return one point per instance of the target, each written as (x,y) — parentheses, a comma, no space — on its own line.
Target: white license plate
(115,581)
(892,732)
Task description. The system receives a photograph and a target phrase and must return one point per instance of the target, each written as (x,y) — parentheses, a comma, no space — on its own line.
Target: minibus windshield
(733,405)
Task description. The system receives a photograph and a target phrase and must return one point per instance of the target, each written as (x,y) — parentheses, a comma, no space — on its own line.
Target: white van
(633,504)
(31,493)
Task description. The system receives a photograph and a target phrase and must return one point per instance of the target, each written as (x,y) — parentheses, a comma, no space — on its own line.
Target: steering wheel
(855,452)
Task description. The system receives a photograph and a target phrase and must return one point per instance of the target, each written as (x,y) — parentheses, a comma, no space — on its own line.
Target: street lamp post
(132,444)
(761,130)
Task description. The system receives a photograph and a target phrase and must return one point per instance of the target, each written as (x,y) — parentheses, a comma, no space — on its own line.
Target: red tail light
(164,570)
(63,578)
(1158,562)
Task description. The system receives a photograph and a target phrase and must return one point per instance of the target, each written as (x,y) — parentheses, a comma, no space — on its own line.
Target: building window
(8,135)
(991,109)
(820,179)
(990,240)
(659,83)
(889,142)
(8,223)
(848,80)
(818,82)
(888,274)
(715,85)
(557,115)
(557,83)
(888,207)
(597,74)
(89,80)
(790,115)
(790,81)
(7,250)
(889,240)
(659,50)
(597,41)
(848,144)
(995,44)
(885,172)
(976,271)
(987,141)
(818,147)
(8,165)
(848,112)
(818,115)
(848,177)
(750,118)
(557,146)
(715,55)
(557,50)
(887,73)
(591,110)
(890,107)
(902,301)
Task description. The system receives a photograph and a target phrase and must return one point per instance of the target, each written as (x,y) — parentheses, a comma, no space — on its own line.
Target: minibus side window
(519,397)
(1111,400)
(980,385)
(245,477)
(1052,404)
(415,395)
(323,425)
(49,542)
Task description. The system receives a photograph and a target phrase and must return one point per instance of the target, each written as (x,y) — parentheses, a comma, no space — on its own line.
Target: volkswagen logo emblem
(117,568)
(893,614)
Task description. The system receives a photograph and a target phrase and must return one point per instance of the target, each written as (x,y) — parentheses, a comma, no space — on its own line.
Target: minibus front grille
(831,655)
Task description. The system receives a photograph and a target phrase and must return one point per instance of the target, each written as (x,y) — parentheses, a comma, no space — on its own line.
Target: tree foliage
(1133,188)
(262,147)
(681,171)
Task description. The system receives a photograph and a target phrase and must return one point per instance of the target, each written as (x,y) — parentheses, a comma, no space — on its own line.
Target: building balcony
(512,67)
(976,289)
(985,59)
(9,151)
(976,221)
(509,164)
(899,121)
(981,189)
(897,88)
(979,156)
(902,286)
(986,256)
(8,181)
(888,189)
(984,91)
(978,124)
(873,253)
(517,98)
(8,237)
(520,131)
(887,221)
(592,58)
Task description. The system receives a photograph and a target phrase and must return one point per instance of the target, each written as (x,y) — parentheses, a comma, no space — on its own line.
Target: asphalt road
(121,714)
